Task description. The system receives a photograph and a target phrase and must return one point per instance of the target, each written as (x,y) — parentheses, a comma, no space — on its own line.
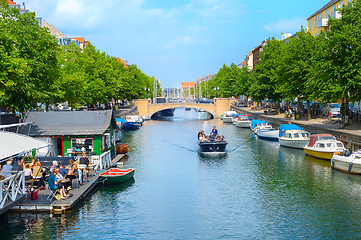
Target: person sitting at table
(72,172)
(27,172)
(60,178)
(19,166)
(83,159)
(38,174)
(55,165)
(62,170)
(7,167)
(55,184)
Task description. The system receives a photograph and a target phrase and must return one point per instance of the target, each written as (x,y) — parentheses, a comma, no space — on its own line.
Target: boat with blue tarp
(293,136)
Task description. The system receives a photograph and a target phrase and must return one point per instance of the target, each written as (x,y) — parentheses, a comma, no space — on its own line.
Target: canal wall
(351,136)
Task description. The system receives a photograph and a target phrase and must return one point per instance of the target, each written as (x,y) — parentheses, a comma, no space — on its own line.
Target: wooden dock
(41,204)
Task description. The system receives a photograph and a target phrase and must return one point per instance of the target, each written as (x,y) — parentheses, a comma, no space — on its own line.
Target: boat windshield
(328,144)
(321,145)
(296,135)
(305,135)
(339,144)
(327,138)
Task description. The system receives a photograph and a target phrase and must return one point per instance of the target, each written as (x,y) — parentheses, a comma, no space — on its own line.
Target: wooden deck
(41,204)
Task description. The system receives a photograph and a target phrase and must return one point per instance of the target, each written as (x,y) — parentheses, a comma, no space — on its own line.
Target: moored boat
(349,164)
(236,118)
(228,116)
(244,121)
(122,148)
(133,122)
(116,175)
(257,124)
(269,134)
(323,146)
(293,136)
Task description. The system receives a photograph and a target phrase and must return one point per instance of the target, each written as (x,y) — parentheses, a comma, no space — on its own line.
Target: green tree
(338,67)
(29,66)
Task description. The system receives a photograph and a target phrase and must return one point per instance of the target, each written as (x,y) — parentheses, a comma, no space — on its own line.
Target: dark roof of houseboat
(68,123)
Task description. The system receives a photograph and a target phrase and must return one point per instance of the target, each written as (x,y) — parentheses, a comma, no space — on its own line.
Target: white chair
(52,193)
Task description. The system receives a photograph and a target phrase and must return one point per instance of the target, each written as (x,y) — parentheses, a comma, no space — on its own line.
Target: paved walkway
(318,125)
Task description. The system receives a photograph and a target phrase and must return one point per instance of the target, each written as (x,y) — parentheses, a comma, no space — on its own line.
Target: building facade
(318,21)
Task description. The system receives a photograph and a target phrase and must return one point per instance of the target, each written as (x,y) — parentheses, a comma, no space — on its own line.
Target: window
(82,144)
(321,15)
(328,144)
(339,144)
(341,4)
(321,145)
(296,135)
(315,21)
(334,8)
(310,22)
(315,34)
(327,13)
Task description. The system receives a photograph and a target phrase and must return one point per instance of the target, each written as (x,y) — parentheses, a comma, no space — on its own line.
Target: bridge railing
(12,186)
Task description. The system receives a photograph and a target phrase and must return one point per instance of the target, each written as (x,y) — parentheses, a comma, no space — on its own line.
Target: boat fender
(332,163)
(350,167)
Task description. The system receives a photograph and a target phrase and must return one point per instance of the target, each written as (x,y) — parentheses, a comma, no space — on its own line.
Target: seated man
(54,184)
(7,167)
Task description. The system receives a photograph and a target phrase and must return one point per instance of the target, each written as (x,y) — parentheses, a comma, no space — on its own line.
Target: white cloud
(286,25)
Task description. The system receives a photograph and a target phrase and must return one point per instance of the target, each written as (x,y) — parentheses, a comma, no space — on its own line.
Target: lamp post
(148,91)
(218,91)
(145,89)
(215,92)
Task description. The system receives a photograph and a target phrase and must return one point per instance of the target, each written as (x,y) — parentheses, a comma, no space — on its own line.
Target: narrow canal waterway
(258,190)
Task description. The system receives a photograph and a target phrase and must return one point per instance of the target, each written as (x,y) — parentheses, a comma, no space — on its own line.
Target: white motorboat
(236,118)
(293,136)
(228,116)
(244,121)
(269,134)
(257,124)
(349,164)
(323,146)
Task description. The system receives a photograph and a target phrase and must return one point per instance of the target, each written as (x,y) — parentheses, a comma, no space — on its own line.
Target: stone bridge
(146,108)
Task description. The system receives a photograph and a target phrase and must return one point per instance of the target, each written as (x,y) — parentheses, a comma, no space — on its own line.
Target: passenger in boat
(55,184)
(222,138)
(200,135)
(218,139)
(211,137)
(215,131)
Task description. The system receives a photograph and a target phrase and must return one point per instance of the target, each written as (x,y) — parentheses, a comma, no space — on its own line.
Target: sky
(176,40)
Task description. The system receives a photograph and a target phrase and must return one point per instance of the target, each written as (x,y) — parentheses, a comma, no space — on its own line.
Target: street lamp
(215,92)
(148,91)
(218,91)
(145,89)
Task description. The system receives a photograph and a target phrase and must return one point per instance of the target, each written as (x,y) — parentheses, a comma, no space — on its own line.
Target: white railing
(11,187)
(102,162)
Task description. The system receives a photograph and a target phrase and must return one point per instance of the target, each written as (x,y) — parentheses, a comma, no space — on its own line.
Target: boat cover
(236,115)
(285,127)
(315,137)
(257,121)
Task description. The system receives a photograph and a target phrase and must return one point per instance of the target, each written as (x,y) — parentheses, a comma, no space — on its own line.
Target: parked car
(331,110)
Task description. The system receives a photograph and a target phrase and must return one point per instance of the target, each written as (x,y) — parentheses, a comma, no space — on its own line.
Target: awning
(13,144)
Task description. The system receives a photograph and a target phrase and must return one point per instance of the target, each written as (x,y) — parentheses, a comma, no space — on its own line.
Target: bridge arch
(150,114)
(146,108)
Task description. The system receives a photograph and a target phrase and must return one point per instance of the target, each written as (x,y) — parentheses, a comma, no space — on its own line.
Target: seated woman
(72,171)
(27,171)
(34,162)
(55,184)
(55,165)
(38,174)
(222,138)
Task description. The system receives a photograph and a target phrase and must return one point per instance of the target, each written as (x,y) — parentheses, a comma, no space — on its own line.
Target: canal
(257,190)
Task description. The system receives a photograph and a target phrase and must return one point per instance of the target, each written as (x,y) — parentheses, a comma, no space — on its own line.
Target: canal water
(257,190)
